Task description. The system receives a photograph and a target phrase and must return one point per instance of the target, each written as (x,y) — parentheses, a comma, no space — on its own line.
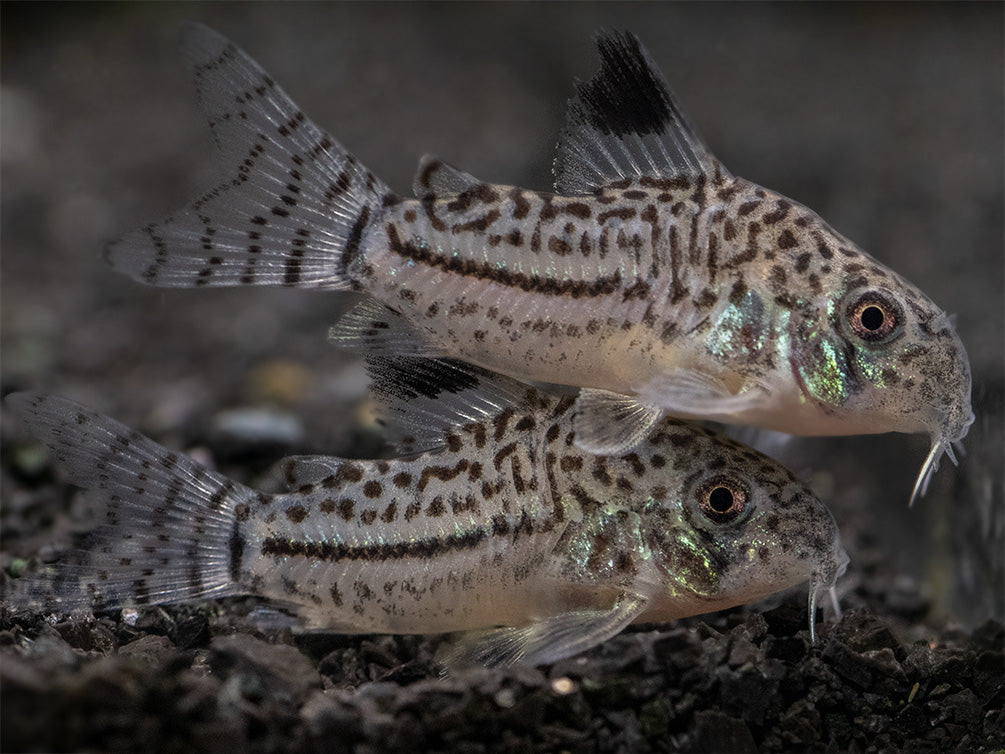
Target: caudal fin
(291,206)
(169,528)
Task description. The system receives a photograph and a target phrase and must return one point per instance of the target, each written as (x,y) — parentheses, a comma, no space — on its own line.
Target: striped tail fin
(170,529)
(291,207)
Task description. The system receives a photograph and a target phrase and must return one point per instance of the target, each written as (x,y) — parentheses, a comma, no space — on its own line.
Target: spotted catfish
(653,278)
(504,528)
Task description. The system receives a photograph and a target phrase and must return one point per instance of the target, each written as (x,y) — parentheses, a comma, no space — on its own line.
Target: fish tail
(170,528)
(291,207)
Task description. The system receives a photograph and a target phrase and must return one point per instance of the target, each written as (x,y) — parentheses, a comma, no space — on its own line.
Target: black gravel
(887,119)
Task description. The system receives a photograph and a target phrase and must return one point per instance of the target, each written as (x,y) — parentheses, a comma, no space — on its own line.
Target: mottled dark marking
(787,240)
(729,230)
(296,513)
(436,508)
(346,509)
(479,224)
(638,468)
(778,214)
(501,423)
(521,207)
(503,454)
(443,473)
(600,472)
(621,213)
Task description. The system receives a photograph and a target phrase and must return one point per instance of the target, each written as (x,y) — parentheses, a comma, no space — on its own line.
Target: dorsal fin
(423,400)
(440,179)
(626,123)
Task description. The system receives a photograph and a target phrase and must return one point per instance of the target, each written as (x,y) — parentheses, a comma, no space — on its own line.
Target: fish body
(653,278)
(505,526)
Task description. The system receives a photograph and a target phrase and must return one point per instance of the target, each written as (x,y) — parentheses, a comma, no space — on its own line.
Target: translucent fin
(686,392)
(300,471)
(291,206)
(371,327)
(611,424)
(440,179)
(625,123)
(547,640)
(423,400)
(169,528)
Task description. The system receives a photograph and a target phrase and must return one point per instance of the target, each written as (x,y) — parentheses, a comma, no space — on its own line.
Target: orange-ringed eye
(723,499)
(874,317)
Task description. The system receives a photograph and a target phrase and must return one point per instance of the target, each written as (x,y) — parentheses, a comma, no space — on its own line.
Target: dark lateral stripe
(469,268)
(423,548)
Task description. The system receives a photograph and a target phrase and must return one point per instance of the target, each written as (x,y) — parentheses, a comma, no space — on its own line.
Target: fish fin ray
(435,177)
(626,123)
(609,423)
(688,392)
(167,523)
(290,207)
(546,640)
(372,327)
(422,400)
(301,471)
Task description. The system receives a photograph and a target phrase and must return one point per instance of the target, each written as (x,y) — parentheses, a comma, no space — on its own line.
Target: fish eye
(874,317)
(723,499)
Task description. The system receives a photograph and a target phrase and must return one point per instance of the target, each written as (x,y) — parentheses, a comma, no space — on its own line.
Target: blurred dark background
(887,119)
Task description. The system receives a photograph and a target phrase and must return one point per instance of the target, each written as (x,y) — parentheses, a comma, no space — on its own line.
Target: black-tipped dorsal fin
(434,177)
(423,400)
(626,123)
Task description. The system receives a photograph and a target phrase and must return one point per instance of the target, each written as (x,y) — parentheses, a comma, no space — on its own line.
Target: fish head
(741,527)
(880,356)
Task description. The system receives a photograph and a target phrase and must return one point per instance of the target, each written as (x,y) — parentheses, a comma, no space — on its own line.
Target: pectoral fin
(693,394)
(609,423)
(547,640)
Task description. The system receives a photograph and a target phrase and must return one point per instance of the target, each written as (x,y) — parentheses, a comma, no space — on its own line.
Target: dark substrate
(193,678)
(884,118)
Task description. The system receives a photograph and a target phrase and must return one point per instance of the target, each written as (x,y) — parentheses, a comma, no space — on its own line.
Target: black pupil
(872,318)
(721,499)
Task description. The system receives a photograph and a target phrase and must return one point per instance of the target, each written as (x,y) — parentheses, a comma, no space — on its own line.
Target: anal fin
(690,393)
(372,328)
